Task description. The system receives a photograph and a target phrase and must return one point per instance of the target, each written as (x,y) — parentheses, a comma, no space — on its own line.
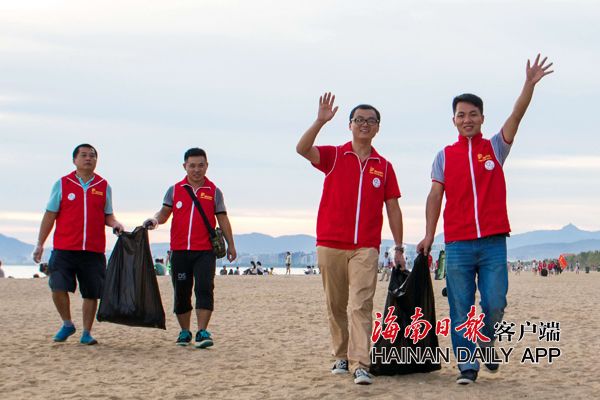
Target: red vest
(188,231)
(475,191)
(80,220)
(351,210)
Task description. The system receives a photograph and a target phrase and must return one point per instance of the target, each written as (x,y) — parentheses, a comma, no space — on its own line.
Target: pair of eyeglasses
(369,121)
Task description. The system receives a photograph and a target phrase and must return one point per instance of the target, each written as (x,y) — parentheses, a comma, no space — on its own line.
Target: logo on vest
(204,196)
(97,192)
(71,196)
(489,165)
(376,172)
(181,276)
(376,182)
(179,204)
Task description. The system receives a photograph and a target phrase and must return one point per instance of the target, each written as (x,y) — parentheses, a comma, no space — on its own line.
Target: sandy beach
(272,342)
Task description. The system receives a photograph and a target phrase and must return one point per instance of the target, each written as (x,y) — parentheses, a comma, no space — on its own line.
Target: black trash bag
(131,296)
(407,291)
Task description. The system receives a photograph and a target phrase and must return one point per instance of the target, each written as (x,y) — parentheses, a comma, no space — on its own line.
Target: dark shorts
(89,268)
(193,269)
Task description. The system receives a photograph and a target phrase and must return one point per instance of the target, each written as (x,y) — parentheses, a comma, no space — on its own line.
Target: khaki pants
(349,280)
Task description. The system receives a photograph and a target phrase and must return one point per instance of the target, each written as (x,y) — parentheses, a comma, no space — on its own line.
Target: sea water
(27,271)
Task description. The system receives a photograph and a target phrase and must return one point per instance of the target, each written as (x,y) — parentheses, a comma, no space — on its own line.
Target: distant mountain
(13,251)
(525,246)
(552,250)
(567,234)
(258,243)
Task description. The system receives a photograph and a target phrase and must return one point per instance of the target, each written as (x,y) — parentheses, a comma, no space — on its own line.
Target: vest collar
(207,182)
(474,140)
(347,149)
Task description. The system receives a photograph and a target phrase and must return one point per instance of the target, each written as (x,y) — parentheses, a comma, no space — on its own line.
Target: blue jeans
(485,260)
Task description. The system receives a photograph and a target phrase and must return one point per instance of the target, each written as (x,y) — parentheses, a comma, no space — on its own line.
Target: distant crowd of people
(548,267)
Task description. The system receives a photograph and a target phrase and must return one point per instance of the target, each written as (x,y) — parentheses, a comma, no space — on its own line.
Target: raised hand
(538,70)
(326,109)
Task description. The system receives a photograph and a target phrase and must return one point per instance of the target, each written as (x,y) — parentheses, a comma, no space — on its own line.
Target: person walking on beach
(81,205)
(1,270)
(470,174)
(387,267)
(193,262)
(358,182)
(288,263)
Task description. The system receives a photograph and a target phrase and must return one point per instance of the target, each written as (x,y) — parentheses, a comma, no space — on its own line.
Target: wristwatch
(399,248)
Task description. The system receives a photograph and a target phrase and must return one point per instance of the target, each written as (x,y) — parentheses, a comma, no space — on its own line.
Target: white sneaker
(340,367)
(362,377)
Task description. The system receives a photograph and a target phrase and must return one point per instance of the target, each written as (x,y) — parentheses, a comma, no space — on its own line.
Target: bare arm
(394,214)
(111,220)
(432,215)
(45,229)
(159,218)
(534,73)
(225,225)
(305,146)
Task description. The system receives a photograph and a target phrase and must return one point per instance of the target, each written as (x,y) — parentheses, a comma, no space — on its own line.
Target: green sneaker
(203,339)
(184,339)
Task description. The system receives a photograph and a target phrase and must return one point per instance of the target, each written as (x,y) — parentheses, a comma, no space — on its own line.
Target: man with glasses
(470,174)
(358,182)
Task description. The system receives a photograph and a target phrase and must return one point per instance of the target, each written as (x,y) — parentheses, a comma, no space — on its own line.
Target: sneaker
(467,376)
(203,339)
(63,333)
(86,338)
(362,377)
(493,366)
(184,339)
(340,367)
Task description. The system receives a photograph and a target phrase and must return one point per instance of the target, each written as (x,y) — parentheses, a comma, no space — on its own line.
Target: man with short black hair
(193,262)
(358,182)
(470,174)
(81,205)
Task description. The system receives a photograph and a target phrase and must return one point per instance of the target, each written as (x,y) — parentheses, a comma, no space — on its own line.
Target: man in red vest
(192,257)
(81,205)
(476,224)
(358,182)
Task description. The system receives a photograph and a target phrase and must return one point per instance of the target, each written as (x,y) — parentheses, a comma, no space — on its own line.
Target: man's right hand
(326,109)
(424,246)
(150,223)
(37,253)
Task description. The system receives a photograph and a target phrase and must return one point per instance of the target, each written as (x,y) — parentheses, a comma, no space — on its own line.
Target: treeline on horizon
(586,259)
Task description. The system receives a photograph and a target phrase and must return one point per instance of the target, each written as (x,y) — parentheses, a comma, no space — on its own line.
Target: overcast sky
(145,80)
